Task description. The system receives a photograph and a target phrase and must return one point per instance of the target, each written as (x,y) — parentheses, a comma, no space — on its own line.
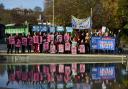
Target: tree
(1,6)
(38,9)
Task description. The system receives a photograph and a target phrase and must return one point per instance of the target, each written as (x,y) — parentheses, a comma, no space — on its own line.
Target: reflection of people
(103,85)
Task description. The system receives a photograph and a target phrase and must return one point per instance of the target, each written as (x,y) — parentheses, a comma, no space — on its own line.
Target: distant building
(23,11)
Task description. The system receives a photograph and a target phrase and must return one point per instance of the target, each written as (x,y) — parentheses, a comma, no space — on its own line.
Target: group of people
(58,42)
(56,77)
(48,43)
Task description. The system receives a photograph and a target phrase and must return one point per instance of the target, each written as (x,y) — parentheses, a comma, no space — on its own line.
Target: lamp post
(53,13)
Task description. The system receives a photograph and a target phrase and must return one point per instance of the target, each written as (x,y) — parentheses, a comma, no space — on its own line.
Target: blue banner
(39,28)
(52,29)
(103,73)
(103,43)
(69,29)
(60,28)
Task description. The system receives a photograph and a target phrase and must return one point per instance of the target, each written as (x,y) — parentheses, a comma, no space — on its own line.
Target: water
(43,76)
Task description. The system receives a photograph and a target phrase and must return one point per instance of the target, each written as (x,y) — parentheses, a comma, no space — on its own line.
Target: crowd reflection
(56,77)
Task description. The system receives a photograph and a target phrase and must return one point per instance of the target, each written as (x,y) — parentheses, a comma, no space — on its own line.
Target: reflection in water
(55,77)
(2,69)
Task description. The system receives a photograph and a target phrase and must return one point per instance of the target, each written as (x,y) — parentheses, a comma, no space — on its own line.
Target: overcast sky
(29,4)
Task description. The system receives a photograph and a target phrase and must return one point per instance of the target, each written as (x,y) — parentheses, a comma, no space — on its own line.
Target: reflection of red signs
(67,70)
(24,76)
(82,48)
(36,76)
(74,50)
(52,49)
(49,77)
(35,39)
(61,68)
(46,69)
(61,48)
(12,77)
(53,68)
(74,67)
(82,68)
(46,46)
(67,46)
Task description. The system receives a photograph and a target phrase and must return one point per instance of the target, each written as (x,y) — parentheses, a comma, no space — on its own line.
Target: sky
(28,4)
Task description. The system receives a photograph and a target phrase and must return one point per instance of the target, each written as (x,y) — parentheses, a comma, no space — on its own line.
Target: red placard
(61,48)
(53,68)
(52,49)
(40,39)
(82,68)
(67,46)
(74,50)
(11,40)
(30,40)
(66,37)
(74,67)
(67,70)
(82,48)
(24,41)
(61,68)
(35,39)
(18,43)
(48,38)
(46,46)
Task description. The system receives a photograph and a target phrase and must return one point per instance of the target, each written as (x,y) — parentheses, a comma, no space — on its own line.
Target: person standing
(17,44)
(29,42)
(8,45)
(11,43)
(36,43)
(24,43)
(87,42)
(40,42)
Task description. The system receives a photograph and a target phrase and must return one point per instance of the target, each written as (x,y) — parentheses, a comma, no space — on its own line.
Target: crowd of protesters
(58,42)
(52,77)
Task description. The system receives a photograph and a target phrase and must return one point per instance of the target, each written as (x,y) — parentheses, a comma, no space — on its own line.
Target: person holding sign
(61,48)
(24,43)
(67,47)
(66,37)
(87,42)
(81,47)
(36,42)
(74,46)
(17,45)
(29,43)
(12,42)
(52,47)
(40,42)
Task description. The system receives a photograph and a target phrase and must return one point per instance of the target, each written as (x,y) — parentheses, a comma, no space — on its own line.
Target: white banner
(81,23)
